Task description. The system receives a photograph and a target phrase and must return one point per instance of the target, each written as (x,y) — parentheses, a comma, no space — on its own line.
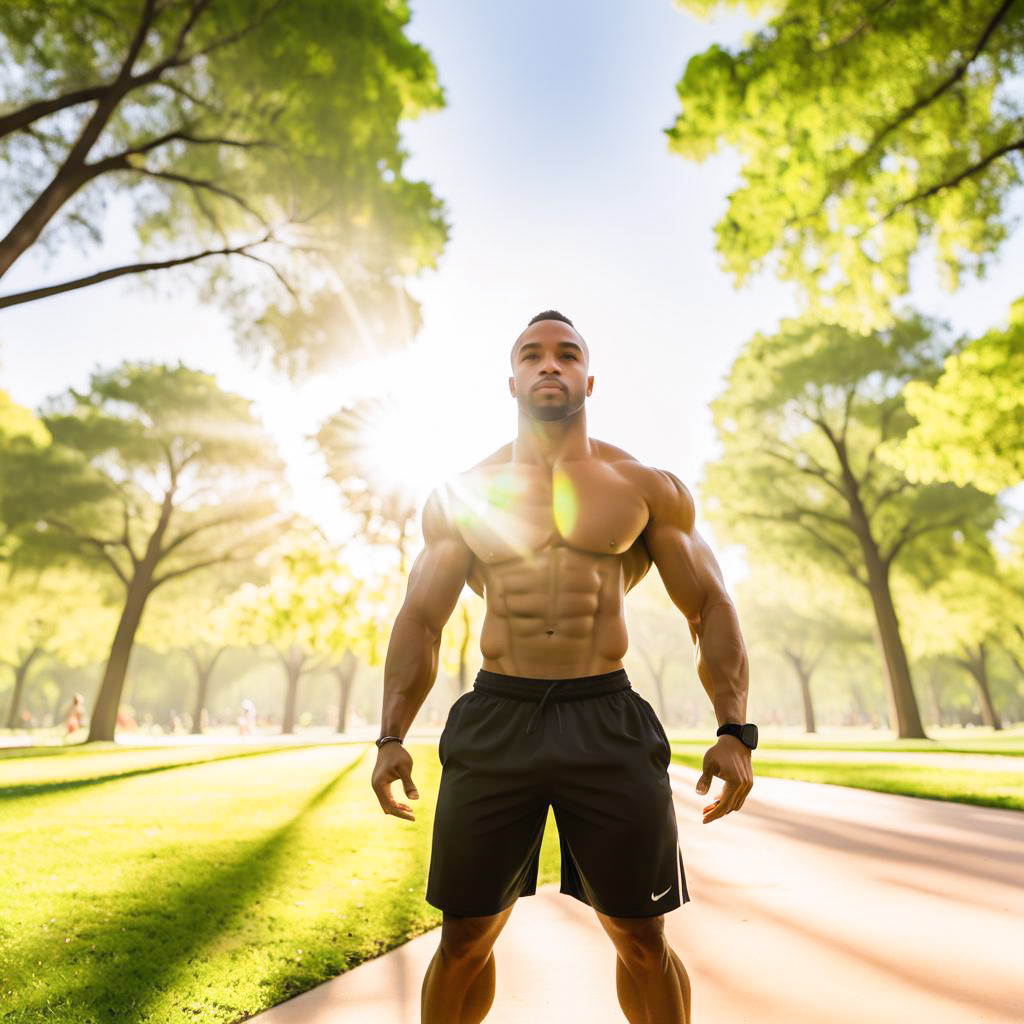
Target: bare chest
(517,512)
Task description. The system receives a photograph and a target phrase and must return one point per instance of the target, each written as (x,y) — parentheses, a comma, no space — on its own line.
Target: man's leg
(651,982)
(458,987)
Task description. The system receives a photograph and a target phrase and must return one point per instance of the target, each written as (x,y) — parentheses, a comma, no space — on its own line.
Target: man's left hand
(729,759)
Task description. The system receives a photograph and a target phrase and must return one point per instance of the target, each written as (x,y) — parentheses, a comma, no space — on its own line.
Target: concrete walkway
(812,903)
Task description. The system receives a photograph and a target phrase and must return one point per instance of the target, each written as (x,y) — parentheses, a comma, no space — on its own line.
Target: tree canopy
(257,142)
(154,473)
(800,482)
(864,128)
(970,424)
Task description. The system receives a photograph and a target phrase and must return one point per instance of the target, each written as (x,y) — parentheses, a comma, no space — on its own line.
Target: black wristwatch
(746,734)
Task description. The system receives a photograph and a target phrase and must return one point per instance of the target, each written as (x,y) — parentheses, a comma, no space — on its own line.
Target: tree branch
(908,534)
(926,100)
(198,183)
(185,570)
(18,120)
(18,298)
(932,190)
(187,535)
(98,543)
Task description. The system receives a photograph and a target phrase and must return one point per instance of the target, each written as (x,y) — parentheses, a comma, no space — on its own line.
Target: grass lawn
(963,785)
(209,883)
(141,885)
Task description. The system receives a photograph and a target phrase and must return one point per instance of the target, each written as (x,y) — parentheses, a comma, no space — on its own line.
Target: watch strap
(745,732)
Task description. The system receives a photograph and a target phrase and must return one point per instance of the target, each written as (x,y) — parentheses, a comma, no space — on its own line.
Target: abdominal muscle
(556,615)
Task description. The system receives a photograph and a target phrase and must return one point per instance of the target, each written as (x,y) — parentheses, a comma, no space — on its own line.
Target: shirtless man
(553,530)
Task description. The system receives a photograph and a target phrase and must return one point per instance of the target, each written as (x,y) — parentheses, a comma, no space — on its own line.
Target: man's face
(549,371)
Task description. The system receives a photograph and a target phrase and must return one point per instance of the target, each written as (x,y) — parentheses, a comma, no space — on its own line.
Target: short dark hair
(552,314)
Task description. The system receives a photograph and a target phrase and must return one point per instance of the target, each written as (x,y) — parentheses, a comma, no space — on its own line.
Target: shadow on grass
(61,785)
(408,915)
(170,929)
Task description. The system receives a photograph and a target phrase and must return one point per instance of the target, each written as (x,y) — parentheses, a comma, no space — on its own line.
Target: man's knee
(637,940)
(468,939)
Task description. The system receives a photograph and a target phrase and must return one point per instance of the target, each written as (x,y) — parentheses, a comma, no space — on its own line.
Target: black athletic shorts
(593,749)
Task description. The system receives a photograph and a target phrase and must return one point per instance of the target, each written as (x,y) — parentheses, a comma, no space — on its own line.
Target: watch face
(748,734)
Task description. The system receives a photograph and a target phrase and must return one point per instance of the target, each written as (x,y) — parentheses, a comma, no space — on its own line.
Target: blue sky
(561,192)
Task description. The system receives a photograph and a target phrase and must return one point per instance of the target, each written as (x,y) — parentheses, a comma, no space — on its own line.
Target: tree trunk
(204,669)
(346,673)
(933,693)
(976,663)
(860,705)
(20,675)
(894,655)
(293,663)
(803,674)
(103,720)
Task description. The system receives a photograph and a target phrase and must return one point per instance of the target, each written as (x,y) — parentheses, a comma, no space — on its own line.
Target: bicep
(687,567)
(686,564)
(440,570)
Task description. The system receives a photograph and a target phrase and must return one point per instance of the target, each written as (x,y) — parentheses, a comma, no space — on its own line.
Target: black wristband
(384,739)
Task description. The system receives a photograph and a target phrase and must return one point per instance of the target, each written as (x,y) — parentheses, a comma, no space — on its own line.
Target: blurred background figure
(75,713)
(247,719)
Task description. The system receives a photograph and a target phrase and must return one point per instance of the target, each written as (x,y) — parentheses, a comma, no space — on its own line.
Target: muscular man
(553,530)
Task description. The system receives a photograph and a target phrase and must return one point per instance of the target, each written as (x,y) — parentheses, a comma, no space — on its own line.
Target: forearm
(409,672)
(722,662)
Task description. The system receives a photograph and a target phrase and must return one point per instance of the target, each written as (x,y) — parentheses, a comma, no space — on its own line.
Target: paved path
(814,903)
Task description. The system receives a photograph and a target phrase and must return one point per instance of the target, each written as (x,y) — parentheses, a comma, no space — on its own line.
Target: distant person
(75,714)
(175,720)
(247,719)
(553,530)
(126,720)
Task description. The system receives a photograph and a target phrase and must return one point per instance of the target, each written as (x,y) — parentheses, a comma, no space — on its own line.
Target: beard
(538,407)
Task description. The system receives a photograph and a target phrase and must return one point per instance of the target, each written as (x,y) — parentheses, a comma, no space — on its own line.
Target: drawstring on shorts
(527,688)
(540,709)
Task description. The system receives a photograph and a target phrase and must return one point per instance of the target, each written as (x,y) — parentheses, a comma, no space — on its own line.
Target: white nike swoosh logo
(660,894)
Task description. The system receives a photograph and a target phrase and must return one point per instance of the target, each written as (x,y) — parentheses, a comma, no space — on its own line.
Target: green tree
(788,618)
(195,620)
(58,614)
(866,129)
(249,136)
(800,482)
(154,473)
(311,612)
(863,128)
(20,430)
(970,424)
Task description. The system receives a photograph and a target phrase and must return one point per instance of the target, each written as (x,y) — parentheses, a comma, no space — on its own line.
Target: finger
(723,804)
(410,787)
(743,796)
(704,782)
(389,805)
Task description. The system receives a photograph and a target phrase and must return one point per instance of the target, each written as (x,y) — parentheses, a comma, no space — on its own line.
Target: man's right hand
(394,762)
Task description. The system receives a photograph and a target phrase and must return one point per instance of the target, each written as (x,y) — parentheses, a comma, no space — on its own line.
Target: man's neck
(546,442)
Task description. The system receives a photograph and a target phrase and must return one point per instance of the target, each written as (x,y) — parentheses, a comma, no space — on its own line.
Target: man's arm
(694,581)
(435,583)
(410,667)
